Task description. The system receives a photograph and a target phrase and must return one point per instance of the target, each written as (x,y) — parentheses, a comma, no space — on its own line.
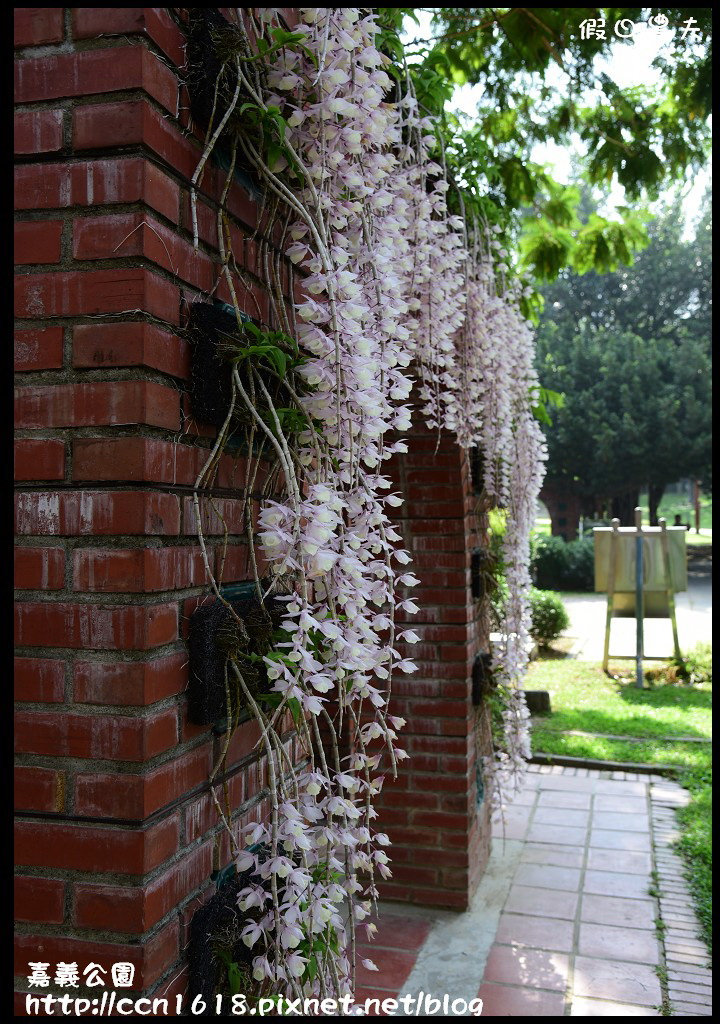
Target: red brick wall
(116,832)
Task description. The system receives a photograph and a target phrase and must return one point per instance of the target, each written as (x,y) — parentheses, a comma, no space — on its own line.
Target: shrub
(549,616)
(563,565)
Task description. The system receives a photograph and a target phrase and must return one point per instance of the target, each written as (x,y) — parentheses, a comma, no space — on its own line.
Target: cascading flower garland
(388,282)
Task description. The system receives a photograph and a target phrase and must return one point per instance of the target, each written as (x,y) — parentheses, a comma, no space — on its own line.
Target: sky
(630,64)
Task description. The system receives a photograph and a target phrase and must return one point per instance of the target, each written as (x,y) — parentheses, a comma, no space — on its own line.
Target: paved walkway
(564,922)
(694,621)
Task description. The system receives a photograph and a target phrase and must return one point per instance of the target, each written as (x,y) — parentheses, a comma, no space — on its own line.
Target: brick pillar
(438,822)
(564,509)
(117,835)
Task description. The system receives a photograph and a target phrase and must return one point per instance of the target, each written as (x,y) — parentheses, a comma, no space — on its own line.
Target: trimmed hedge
(563,565)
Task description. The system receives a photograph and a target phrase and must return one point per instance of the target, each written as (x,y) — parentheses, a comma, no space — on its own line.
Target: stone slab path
(565,920)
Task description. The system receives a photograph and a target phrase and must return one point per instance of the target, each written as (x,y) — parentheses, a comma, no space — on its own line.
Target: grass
(673,504)
(650,723)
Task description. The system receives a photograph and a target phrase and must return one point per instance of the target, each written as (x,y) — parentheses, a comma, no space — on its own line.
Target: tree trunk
(655,493)
(623,507)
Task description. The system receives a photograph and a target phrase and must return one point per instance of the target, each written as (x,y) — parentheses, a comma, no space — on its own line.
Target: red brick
(136,909)
(95,627)
(130,344)
(38,131)
(40,680)
(135,458)
(40,349)
(39,459)
(39,789)
(94,848)
(59,75)
(153,22)
(138,796)
(441,708)
(39,899)
(39,568)
(235,566)
(115,738)
(437,819)
(206,226)
(151,959)
(128,122)
(104,403)
(36,25)
(129,682)
(120,236)
(231,509)
(77,293)
(96,513)
(138,570)
(440,782)
(94,182)
(37,241)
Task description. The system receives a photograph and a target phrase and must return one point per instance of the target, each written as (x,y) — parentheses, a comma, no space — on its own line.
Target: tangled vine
(393,288)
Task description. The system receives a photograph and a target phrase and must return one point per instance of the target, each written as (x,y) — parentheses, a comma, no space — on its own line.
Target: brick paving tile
(694,976)
(393,970)
(525,798)
(575,785)
(674,934)
(690,1010)
(563,799)
(620,776)
(617,884)
(677,903)
(616,789)
(510,830)
(564,835)
(536,932)
(618,910)
(617,980)
(679,918)
(688,996)
(623,861)
(629,821)
(685,960)
(618,943)
(688,946)
(508,1001)
(547,877)
(527,899)
(518,965)
(555,856)
(607,839)
(396,931)
(624,804)
(561,816)
(605,1008)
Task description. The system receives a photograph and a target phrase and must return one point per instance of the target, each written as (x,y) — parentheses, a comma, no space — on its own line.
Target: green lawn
(672,504)
(584,698)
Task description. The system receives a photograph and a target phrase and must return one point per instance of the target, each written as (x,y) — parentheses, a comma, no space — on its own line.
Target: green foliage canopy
(630,351)
(543,82)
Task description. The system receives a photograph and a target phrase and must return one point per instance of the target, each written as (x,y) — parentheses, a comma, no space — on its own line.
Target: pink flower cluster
(389,284)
